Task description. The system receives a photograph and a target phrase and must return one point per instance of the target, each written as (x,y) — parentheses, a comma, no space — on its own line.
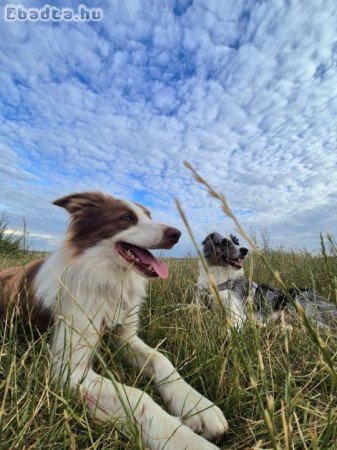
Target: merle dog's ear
(79,201)
(208,244)
(208,238)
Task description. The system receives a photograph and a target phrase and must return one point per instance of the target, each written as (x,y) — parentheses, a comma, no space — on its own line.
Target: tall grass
(276,385)
(272,384)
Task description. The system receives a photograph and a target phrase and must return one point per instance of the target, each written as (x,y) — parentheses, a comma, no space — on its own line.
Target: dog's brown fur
(17,290)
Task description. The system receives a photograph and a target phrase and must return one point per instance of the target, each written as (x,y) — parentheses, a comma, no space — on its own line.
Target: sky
(246,91)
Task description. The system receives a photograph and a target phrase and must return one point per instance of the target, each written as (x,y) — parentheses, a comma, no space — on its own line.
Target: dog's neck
(92,272)
(219,273)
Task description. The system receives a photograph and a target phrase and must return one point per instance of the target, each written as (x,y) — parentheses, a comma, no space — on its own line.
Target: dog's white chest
(122,306)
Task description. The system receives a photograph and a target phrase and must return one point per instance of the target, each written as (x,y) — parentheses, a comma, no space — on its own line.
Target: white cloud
(245,91)
(48,237)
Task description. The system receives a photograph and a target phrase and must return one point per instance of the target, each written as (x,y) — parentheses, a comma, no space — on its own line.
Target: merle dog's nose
(172,234)
(243,251)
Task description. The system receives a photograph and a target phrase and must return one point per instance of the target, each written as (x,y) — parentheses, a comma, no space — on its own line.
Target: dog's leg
(234,306)
(200,414)
(110,400)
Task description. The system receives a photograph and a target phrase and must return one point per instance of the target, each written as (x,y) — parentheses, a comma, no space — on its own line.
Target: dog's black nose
(243,251)
(173,234)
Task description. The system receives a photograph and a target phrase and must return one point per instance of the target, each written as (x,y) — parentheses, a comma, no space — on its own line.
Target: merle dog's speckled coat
(224,257)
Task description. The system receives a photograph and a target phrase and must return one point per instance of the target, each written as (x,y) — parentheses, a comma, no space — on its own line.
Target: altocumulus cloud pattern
(245,90)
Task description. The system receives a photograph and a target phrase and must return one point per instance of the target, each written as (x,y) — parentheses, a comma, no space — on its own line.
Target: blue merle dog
(224,257)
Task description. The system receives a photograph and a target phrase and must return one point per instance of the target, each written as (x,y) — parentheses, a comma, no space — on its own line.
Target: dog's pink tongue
(146,257)
(236,263)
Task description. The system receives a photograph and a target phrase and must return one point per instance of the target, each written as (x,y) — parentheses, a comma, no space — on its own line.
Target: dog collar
(230,285)
(226,285)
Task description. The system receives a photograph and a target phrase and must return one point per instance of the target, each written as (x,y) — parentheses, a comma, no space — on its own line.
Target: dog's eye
(235,240)
(127,218)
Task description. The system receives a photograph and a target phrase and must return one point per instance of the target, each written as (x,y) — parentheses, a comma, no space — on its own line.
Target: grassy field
(274,384)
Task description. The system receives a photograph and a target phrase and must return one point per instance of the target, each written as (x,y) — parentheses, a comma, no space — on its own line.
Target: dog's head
(224,251)
(122,229)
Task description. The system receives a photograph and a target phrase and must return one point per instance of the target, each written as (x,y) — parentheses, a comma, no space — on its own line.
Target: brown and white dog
(98,276)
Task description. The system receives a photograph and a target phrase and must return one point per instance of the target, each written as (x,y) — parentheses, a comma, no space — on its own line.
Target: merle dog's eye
(235,240)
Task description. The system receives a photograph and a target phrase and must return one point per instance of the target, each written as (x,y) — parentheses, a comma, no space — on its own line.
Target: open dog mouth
(143,260)
(237,263)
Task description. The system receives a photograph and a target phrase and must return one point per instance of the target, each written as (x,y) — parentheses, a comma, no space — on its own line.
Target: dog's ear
(208,244)
(79,201)
(208,239)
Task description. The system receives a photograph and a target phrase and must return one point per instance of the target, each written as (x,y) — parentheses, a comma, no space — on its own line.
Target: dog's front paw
(203,417)
(197,412)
